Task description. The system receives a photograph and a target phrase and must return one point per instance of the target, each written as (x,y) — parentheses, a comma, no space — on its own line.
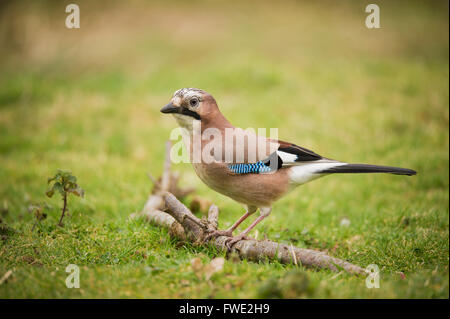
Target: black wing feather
(303,154)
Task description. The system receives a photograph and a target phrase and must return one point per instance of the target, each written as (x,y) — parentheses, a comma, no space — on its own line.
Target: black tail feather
(367,168)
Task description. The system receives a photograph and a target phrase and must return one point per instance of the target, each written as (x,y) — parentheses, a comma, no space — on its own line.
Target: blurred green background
(88,100)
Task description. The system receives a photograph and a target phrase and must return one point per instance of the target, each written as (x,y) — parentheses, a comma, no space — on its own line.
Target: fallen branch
(164,209)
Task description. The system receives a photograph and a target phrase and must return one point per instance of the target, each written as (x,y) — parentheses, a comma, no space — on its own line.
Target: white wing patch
(287,157)
(301,174)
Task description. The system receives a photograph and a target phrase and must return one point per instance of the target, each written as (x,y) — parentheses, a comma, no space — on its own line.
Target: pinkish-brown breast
(252,189)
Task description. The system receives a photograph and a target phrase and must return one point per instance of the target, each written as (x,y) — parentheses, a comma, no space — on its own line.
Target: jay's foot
(230,242)
(216,233)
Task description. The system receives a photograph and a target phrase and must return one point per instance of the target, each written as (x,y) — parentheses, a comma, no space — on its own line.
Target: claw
(230,242)
(217,233)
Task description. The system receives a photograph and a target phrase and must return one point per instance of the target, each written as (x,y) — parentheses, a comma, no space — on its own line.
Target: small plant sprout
(38,211)
(64,183)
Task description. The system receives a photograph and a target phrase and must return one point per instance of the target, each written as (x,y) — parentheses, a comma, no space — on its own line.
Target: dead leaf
(196,265)
(216,265)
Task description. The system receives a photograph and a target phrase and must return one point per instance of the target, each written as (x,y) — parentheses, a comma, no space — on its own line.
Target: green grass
(88,100)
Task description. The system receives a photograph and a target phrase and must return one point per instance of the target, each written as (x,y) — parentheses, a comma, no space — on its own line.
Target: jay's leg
(229,232)
(264,212)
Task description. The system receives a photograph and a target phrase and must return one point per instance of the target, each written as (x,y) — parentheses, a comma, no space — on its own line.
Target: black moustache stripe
(190,113)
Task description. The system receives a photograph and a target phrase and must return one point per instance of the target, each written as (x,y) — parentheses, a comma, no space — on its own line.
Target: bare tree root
(164,209)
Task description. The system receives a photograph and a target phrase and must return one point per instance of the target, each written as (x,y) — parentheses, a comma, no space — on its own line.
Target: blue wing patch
(246,168)
(270,164)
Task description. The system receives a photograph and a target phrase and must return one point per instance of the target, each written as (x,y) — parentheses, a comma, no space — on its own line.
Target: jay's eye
(193,102)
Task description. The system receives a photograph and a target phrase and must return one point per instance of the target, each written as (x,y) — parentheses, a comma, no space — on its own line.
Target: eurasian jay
(251,169)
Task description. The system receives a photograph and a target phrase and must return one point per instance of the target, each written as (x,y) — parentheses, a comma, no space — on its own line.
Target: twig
(165,178)
(213,217)
(5,277)
(154,180)
(259,250)
(294,257)
(160,218)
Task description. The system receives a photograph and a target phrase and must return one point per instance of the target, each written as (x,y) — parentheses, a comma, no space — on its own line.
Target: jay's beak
(170,108)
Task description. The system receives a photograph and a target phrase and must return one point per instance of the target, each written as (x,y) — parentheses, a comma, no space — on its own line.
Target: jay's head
(189,104)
